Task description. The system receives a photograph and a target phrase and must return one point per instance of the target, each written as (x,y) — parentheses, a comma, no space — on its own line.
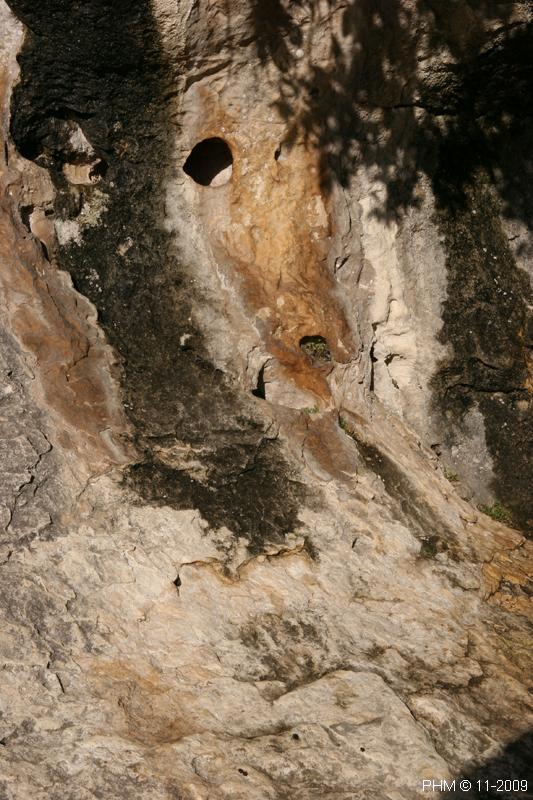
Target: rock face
(265,272)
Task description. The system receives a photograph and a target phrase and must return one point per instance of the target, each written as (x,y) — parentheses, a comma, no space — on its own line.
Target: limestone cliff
(265,398)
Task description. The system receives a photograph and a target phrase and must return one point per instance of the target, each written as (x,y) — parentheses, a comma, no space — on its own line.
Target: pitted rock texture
(250,405)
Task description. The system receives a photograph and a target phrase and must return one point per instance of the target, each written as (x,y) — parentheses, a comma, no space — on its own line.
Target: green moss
(343,425)
(498,512)
(430,547)
(450,475)
(316,348)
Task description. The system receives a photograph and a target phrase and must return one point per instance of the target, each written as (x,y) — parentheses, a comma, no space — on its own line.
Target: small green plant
(430,547)
(450,475)
(343,425)
(316,348)
(310,410)
(498,512)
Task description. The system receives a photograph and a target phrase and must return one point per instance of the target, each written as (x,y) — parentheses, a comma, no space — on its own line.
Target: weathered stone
(263,352)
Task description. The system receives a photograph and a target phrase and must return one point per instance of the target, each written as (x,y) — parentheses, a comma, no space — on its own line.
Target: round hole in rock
(316,349)
(210,162)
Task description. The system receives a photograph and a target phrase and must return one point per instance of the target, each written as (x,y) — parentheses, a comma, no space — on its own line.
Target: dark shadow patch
(276,32)
(98,170)
(260,389)
(246,501)
(25,215)
(487,321)
(508,776)
(411,507)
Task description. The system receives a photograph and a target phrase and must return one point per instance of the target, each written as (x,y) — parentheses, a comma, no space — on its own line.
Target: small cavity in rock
(210,162)
(316,349)
(98,170)
(259,390)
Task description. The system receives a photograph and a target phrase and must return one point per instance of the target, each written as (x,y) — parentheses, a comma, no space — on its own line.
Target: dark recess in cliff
(101,65)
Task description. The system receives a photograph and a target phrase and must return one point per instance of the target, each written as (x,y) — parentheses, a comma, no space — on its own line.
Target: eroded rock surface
(264,355)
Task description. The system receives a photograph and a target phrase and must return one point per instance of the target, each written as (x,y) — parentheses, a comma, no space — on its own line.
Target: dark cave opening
(210,162)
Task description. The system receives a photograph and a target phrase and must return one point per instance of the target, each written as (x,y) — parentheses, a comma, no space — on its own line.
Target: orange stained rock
(270,229)
(513,569)
(52,322)
(150,707)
